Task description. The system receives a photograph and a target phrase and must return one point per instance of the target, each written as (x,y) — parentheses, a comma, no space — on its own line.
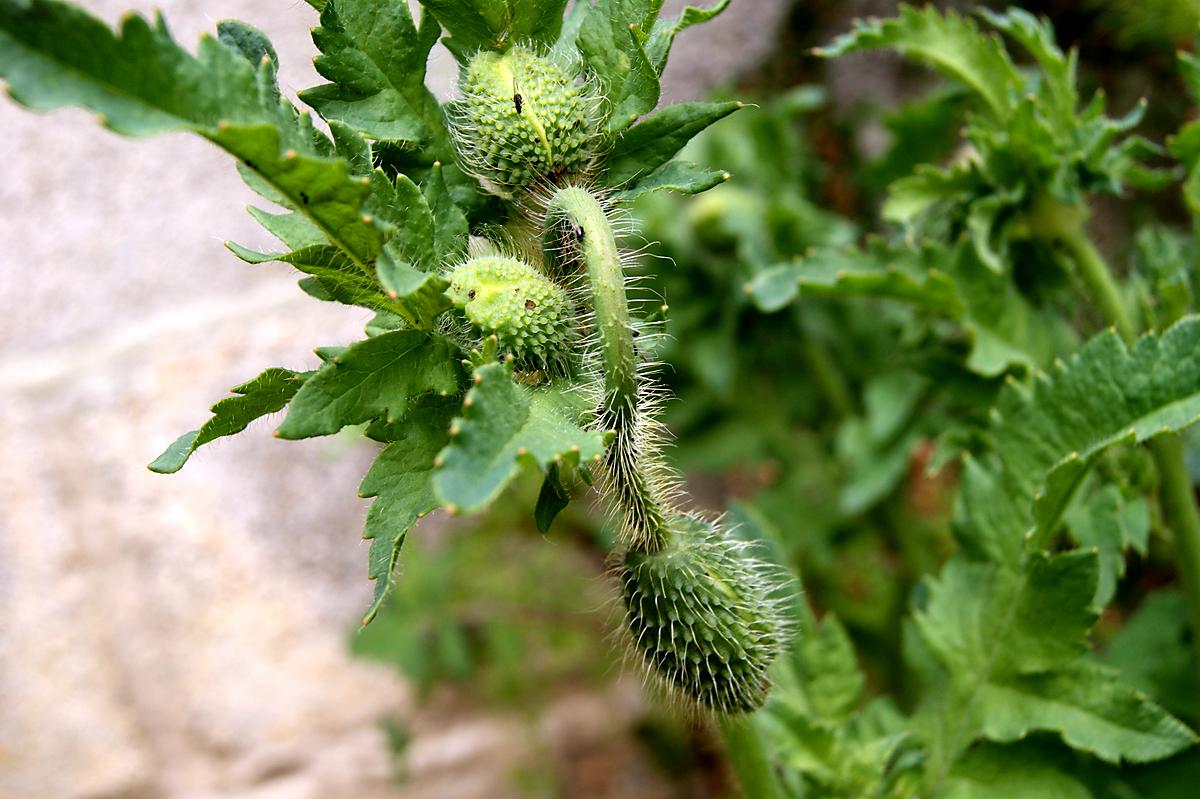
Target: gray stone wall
(185,636)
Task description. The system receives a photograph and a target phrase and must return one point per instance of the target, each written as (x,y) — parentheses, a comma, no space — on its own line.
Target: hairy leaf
(1089,708)
(503,425)
(651,143)
(475,25)
(54,55)
(1105,394)
(375,378)
(680,176)
(374,55)
(611,44)
(950,43)
(401,482)
(265,394)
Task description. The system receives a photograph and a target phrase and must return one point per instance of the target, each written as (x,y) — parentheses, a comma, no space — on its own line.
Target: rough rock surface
(185,636)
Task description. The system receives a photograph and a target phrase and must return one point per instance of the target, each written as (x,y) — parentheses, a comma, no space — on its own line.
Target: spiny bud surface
(703,616)
(529,313)
(521,118)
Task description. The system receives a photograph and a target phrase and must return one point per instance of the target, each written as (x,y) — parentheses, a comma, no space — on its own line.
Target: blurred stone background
(185,636)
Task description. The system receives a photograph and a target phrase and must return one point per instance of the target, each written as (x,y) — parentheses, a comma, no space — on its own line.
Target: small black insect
(578,231)
(518,100)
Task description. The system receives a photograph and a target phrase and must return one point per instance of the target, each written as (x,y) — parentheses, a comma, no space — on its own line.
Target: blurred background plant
(826,374)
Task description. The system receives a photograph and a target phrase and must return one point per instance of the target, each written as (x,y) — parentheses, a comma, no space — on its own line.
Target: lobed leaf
(1089,708)
(504,424)
(475,25)
(374,56)
(269,392)
(401,481)
(141,82)
(375,378)
(948,42)
(611,44)
(652,143)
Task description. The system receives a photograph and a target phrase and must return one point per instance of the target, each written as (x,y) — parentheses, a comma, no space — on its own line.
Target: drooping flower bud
(704,616)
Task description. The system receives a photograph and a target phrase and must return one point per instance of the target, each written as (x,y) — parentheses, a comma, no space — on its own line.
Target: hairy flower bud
(521,119)
(530,314)
(704,616)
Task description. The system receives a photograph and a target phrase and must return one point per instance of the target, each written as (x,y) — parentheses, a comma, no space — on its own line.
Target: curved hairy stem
(581,219)
(1177,494)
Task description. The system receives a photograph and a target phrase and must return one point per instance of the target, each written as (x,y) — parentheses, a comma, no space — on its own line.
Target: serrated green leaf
(351,147)
(54,55)
(833,683)
(1058,70)
(680,176)
(1089,708)
(658,46)
(475,25)
(1099,521)
(983,619)
(322,189)
(648,145)
(420,297)
(375,378)
(265,394)
(450,228)
(1003,772)
(611,45)
(401,480)
(875,272)
(375,55)
(340,277)
(401,207)
(1105,394)
(552,499)
(948,42)
(502,425)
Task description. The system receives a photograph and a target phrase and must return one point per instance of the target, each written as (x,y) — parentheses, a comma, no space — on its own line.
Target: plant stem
(631,470)
(1099,281)
(1176,492)
(749,759)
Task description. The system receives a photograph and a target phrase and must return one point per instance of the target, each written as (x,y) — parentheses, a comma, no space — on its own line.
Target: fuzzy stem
(1176,492)
(749,759)
(593,239)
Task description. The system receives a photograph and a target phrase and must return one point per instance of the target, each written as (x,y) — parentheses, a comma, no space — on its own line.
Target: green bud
(521,119)
(704,616)
(531,315)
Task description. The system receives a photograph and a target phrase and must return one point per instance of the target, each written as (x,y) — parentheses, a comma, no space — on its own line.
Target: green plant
(992,248)
(940,403)
(523,352)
